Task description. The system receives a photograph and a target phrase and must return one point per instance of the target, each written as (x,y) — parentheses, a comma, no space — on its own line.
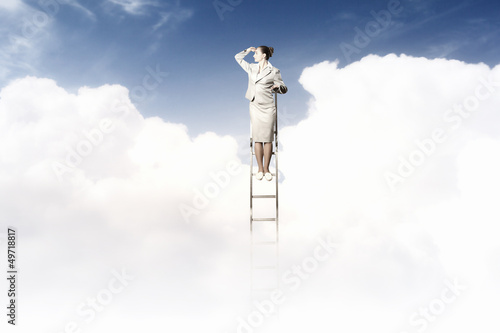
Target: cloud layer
(396,164)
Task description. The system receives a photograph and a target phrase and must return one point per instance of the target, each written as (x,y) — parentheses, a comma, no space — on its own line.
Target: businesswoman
(263,79)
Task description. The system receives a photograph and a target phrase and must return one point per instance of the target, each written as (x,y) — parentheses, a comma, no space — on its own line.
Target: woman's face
(258,56)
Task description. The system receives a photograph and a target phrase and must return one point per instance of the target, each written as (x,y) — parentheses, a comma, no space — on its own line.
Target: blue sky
(91,43)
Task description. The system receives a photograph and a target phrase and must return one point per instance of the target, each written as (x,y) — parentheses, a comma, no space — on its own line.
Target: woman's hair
(267,50)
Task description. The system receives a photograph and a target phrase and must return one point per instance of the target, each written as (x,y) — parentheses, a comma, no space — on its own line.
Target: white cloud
(125,178)
(81,8)
(170,14)
(134,7)
(173,17)
(439,221)
(19,48)
(11,5)
(25,32)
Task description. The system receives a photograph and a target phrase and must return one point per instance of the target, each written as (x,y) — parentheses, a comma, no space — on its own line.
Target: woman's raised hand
(252,49)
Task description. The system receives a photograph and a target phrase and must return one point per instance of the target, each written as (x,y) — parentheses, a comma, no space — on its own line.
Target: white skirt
(262,121)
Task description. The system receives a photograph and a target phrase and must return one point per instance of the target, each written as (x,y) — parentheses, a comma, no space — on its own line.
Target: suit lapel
(263,74)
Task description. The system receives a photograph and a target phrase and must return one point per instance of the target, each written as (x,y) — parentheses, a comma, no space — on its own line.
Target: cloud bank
(130,223)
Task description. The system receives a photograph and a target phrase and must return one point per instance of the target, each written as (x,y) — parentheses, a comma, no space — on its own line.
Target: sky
(124,165)
(193,42)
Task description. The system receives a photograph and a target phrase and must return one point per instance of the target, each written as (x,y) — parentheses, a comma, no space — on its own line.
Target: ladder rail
(251,179)
(277,199)
(276,193)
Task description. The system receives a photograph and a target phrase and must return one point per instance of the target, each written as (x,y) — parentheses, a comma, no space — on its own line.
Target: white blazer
(260,84)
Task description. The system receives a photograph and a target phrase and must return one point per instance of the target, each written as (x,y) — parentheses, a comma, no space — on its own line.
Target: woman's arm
(279,85)
(240,58)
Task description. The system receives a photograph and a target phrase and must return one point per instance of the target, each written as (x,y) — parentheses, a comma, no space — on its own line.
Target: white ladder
(255,245)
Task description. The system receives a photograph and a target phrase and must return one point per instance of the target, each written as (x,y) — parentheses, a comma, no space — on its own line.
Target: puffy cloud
(397,158)
(94,186)
(395,165)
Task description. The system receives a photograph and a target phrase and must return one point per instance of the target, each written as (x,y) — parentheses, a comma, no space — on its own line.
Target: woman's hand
(276,87)
(252,49)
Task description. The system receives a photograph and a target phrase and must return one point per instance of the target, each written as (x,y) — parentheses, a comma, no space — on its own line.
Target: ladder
(272,263)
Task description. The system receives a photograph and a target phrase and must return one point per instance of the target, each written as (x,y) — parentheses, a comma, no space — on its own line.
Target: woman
(263,79)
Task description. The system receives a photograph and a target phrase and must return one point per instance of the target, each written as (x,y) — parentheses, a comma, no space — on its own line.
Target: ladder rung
(264,219)
(264,267)
(265,243)
(264,196)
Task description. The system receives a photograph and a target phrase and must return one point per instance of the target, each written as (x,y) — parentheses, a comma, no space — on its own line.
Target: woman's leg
(259,154)
(268,150)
